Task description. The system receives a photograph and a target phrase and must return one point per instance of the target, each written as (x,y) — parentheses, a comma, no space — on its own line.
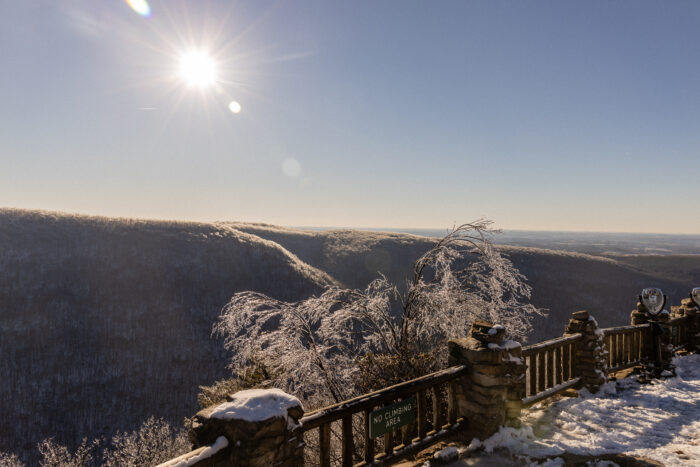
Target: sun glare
(197,69)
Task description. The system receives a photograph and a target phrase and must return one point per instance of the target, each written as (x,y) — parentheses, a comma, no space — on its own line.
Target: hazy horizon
(434,231)
(426,229)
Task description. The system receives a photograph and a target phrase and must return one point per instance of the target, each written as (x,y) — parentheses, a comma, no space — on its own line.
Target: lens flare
(140,6)
(234,107)
(291,167)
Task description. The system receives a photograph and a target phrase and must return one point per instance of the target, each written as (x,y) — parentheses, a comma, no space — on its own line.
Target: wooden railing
(626,346)
(340,433)
(551,367)
(435,420)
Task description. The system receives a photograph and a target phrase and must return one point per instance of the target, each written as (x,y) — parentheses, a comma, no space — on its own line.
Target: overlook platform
(643,424)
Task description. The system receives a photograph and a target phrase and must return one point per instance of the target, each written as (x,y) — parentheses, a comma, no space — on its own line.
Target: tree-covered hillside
(106,322)
(562,281)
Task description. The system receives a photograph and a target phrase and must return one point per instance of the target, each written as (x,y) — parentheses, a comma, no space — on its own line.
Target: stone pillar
(516,387)
(677,311)
(639,316)
(590,353)
(261,425)
(687,306)
(689,309)
(491,392)
(658,349)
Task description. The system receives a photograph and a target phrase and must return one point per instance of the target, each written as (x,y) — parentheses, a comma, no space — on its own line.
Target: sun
(197,69)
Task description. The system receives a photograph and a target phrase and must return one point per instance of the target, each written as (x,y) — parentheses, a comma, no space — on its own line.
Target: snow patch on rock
(256,405)
(447,454)
(505,345)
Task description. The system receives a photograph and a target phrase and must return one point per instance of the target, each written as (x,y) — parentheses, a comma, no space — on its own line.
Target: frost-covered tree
(153,443)
(10,460)
(57,455)
(326,347)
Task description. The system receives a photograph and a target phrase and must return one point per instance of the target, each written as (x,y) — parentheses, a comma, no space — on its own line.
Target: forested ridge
(106,322)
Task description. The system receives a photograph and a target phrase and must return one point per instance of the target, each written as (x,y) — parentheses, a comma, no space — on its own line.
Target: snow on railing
(202,457)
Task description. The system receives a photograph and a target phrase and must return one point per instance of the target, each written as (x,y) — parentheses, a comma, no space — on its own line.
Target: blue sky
(539,115)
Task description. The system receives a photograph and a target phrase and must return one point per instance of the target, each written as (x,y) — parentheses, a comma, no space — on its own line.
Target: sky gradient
(539,115)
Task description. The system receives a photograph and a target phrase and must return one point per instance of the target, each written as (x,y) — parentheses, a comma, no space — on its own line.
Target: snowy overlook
(658,421)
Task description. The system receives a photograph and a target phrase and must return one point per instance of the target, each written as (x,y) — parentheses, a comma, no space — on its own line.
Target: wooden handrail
(550,344)
(382,396)
(406,439)
(624,329)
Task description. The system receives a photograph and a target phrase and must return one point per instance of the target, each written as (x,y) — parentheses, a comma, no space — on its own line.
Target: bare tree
(316,347)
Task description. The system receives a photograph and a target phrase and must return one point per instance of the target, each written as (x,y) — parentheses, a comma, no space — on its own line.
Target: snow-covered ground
(659,421)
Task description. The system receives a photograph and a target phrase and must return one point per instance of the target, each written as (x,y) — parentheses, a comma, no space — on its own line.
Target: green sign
(391,417)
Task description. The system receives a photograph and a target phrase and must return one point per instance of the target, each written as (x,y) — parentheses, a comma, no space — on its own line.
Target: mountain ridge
(107,321)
